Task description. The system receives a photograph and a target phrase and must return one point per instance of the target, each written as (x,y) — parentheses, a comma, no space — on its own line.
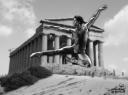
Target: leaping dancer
(80,37)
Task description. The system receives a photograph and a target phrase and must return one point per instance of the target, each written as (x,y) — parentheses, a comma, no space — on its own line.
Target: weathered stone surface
(74,85)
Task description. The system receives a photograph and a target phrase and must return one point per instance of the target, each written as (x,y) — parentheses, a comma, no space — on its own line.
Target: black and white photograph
(63,47)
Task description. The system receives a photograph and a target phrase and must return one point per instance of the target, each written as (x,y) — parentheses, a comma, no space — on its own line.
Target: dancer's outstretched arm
(95,16)
(64,50)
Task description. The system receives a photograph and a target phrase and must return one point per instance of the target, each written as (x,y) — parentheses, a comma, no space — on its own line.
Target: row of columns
(96,53)
(57,58)
(20,60)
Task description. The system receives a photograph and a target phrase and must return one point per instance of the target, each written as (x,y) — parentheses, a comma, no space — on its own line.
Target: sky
(20,18)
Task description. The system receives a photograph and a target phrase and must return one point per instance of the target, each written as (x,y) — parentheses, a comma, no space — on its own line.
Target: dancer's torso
(80,37)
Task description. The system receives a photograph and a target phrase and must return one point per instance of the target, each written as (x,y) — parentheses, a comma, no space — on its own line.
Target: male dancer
(80,37)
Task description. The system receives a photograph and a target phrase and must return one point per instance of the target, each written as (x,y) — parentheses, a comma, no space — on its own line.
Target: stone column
(40,41)
(29,50)
(33,47)
(20,68)
(38,49)
(25,57)
(100,54)
(57,41)
(91,52)
(60,60)
(34,50)
(26,60)
(15,65)
(69,43)
(20,65)
(44,48)
(10,65)
(22,59)
(19,62)
(15,62)
(27,53)
(96,54)
(31,59)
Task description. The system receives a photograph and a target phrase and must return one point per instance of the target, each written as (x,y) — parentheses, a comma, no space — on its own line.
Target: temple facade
(54,35)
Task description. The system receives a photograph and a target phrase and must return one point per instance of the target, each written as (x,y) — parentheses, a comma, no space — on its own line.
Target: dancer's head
(78,20)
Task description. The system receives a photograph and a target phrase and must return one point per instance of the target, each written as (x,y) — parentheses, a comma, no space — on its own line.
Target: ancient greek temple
(54,35)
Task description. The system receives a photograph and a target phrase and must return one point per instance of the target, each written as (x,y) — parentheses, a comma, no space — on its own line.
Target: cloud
(125,59)
(117,28)
(19,10)
(19,14)
(5,30)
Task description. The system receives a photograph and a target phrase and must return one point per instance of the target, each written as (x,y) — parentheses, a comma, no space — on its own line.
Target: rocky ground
(74,85)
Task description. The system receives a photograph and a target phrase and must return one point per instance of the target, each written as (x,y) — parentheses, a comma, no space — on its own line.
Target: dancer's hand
(36,54)
(103,7)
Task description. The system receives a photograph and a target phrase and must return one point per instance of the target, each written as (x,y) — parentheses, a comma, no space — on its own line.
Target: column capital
(91,40)
(57,35)
(69,37)
(44,34)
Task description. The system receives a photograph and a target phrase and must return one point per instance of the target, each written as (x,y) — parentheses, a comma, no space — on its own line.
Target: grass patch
(26,78)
